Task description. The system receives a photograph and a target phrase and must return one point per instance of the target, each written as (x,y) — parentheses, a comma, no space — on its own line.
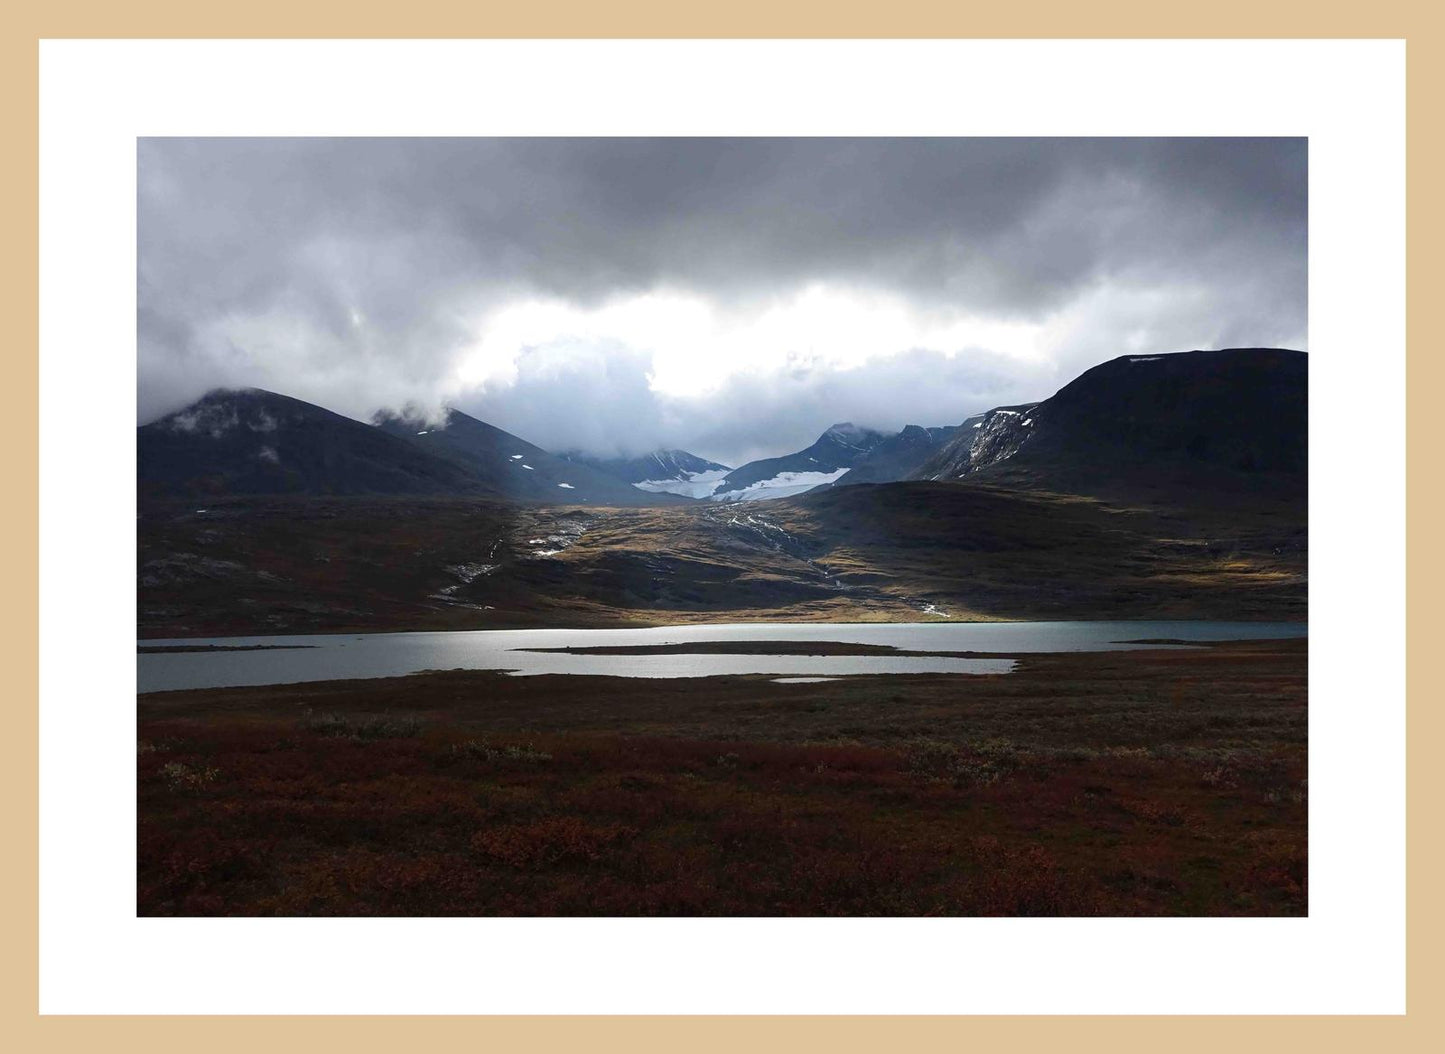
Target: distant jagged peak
(665,470)
(675,459)
(851,435)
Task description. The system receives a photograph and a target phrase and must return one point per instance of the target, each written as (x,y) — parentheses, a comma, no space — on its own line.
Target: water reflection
(320,657)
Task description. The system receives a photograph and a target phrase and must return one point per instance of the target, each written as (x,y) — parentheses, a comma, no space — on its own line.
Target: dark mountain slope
(897,457)
(250,441)
(982,439)
(509,467)
(1219,420)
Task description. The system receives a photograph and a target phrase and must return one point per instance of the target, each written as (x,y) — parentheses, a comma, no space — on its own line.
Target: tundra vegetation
(1120,783)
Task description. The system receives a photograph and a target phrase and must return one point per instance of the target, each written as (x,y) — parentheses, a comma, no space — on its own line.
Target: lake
(325,657)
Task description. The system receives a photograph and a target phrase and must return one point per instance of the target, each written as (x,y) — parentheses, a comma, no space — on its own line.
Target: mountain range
(896,457)
(503,465)
(1135,421)
(1150,486)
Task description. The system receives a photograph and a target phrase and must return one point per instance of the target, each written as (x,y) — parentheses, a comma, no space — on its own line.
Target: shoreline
(142,638)
(1139,782)
(809,649)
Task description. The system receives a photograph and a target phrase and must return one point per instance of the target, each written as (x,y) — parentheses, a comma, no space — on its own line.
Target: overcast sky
(730,296)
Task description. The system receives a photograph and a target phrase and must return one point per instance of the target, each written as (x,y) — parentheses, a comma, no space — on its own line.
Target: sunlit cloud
(733,294)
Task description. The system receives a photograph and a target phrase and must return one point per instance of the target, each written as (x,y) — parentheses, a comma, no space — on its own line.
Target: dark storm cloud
(358,273)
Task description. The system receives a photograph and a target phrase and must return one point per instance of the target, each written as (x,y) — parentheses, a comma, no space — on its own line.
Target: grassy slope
(1113,783)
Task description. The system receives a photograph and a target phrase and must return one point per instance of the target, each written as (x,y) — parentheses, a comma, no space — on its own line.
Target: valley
(769,769)
(619,526)
(900,552)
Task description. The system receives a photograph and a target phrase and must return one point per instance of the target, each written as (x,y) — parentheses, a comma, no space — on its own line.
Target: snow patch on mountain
(688,484)
(783,485)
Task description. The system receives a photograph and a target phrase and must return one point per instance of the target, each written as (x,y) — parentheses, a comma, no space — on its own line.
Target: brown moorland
(1168,782)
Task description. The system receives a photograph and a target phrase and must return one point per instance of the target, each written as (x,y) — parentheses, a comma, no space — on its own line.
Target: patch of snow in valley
(688,484)
(783,485)
(566,486)
(757,523)
(754,530)
(465,573)
(563,539)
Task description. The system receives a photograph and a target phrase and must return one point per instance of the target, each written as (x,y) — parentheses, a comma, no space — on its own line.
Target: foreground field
(1138,783)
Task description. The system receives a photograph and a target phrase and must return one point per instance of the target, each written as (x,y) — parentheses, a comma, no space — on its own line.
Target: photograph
(702,526)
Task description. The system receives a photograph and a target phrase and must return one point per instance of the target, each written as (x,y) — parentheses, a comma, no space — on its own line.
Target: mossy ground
(1125,783)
